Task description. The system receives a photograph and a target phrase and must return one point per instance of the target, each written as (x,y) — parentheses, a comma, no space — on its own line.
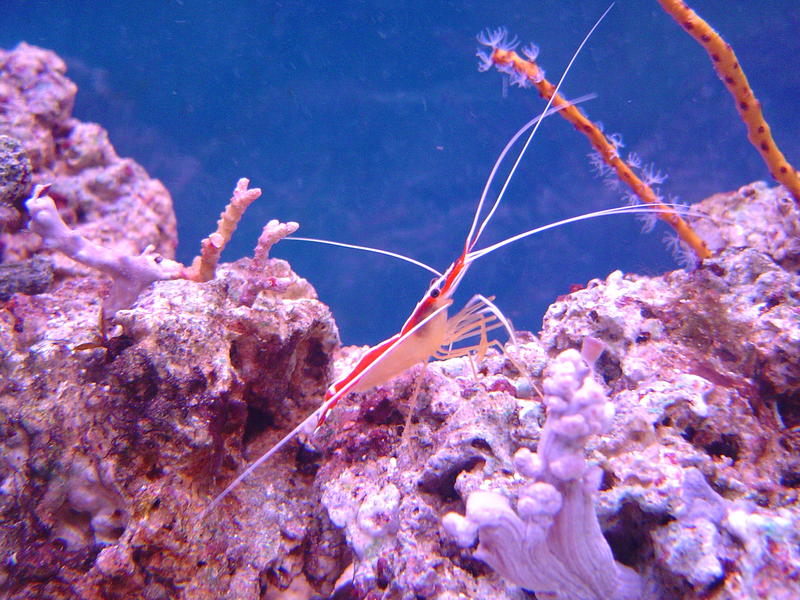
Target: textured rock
(117,444)
(701,372)
(15,182)
(111,445)
(755,216)
(31,276)
(98,193)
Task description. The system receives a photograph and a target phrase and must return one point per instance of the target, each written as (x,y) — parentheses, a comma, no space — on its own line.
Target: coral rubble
(112,445)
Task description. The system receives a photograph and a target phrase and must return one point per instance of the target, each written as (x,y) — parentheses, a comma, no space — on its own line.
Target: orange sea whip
(727,67)
(508,61)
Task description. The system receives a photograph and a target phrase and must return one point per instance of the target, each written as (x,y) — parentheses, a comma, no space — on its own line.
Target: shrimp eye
(435,293)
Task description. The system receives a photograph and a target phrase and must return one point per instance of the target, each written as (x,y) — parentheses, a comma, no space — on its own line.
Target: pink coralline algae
(116,436)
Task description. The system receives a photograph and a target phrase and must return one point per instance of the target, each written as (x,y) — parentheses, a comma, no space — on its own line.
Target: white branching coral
(130,274)
(552,542)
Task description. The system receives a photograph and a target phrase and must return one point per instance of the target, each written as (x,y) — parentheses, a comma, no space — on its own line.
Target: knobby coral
(552,543)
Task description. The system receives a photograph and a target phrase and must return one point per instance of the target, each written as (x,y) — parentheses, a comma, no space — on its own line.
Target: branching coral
(552,542)
(259,275)
(727,67)
(527,72)
(211,248)
(273,232)
(130,274)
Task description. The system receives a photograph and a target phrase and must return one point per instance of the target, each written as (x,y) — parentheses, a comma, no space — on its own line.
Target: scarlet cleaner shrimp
(429,332)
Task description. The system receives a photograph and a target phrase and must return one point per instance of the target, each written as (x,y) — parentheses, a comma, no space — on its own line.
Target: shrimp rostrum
(430,332)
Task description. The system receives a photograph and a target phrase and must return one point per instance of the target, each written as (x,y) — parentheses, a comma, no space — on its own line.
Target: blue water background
(368,122)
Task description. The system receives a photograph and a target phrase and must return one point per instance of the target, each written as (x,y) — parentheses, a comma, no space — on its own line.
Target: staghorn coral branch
(260,275)
(727,67)
(203,266)
(273,232)
(508,61)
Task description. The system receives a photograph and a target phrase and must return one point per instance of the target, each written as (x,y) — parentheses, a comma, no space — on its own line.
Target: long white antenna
(485,222)
(619,210)
(366,249)
(502,155)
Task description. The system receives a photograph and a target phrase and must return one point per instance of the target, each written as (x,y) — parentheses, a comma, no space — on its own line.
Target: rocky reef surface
(115,436)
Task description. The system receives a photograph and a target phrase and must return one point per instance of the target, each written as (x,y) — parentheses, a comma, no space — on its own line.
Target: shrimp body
(407,351)
(421,337)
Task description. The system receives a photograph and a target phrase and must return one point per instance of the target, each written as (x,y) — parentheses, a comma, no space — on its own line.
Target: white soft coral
(552,543)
